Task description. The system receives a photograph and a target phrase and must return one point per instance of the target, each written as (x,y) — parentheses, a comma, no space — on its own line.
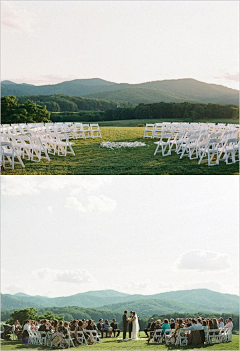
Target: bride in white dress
(135,327)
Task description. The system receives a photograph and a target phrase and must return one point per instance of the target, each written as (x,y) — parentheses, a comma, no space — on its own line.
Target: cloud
(73,204)
(229,76)
(200,260)
(19,185)
(99,203)
(13,288)
(136,286)
(15,18)
(69,276)
(22,185)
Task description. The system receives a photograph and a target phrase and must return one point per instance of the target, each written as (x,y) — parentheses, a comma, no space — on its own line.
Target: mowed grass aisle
(113,344)
(91,159)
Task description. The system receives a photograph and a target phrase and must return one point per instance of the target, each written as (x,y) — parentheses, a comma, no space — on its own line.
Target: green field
(91,159)
(113,344)
(137,122)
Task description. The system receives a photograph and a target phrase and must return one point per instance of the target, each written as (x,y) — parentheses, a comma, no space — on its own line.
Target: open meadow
(92,159)
(113,344)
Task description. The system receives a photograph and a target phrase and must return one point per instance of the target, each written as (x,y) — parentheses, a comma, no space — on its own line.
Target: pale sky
(47,42)
(63,235)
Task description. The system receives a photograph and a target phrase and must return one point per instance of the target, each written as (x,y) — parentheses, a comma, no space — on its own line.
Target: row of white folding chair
(34,337)
(170,139)
(159,336)
(83,130)
(45,339)
(56,143)
(154,130)
(30,147)
(8,154)
(218,335)
(216,148)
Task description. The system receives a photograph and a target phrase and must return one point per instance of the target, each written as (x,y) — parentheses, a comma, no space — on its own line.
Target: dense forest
(59,103)
(186,111)
(28,112)
(14,111)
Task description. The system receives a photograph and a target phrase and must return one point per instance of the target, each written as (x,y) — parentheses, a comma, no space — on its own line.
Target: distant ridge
(174,90)
(174,301)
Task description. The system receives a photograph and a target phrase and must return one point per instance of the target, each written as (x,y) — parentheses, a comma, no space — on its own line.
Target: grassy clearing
(91,159)
(137,122)
(113,344)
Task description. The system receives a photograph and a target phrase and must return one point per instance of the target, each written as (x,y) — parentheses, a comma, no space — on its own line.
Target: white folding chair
(214,336)
(165,144)
(81,338)
(94,336)
(149,130)
(9,152)
(157,336)
(211,150)
(95,130)
(230,150)
(87,130)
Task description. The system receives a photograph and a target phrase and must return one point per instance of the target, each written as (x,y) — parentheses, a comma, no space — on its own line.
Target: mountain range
(175,90)
(203,300)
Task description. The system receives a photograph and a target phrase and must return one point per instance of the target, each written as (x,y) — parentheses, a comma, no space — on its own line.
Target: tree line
(60,103)
(72,312)
(183,111)
(30,112)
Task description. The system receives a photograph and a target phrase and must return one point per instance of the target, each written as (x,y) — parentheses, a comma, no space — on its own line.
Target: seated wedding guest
(229,323)
(115,328)
(172,323)
(204,325)
(220,323)
(43,327)
(67,326)
(62,329)
(55,325)
(158,324)
(178,327)
(165,326)
(150,327)
(82,325)
(211,325)
(100,326)
(196,325)
(215,323)
(26,331)
(74,325)
(33,327)
(106,328)
(199,324)
(94,325)
(89,325)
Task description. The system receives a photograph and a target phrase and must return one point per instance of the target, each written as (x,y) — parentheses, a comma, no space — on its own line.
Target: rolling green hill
(175,301)
(142,95)
(175,90)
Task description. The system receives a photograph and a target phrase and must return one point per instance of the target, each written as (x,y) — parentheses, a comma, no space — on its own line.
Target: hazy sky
(46,42)
(64,235)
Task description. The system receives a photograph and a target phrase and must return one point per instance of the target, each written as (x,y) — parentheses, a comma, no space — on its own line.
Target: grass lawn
(113,344)
(91,159)
(137,122)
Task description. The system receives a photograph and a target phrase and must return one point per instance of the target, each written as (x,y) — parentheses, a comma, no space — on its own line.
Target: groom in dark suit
(125,324)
